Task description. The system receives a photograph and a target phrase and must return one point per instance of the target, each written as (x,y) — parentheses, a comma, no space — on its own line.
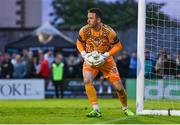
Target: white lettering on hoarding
(22,89)
(162,91)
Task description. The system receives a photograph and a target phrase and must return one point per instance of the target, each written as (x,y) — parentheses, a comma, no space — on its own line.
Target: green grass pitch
(72,111)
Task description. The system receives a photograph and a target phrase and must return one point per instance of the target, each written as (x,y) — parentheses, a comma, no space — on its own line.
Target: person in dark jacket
(27,60)
(6,67)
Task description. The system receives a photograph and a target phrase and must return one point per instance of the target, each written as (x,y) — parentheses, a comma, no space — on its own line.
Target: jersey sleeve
(81,36)
(113,39)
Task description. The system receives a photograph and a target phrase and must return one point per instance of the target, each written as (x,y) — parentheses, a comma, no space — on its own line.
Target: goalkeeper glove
(83,54)
(105,55)
(86,56)
(100,60)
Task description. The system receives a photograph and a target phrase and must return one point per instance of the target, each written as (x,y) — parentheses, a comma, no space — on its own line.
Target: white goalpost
(140,55)
(159,92)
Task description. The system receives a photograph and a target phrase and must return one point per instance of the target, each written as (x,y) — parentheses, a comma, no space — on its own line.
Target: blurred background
(23,56)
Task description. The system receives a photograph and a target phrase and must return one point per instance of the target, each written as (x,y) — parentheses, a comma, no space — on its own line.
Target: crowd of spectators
(27,64)
(162,64)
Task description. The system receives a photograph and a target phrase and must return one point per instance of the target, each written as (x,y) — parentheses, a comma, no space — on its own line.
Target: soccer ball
(44,37)
(93,56)
(95,59)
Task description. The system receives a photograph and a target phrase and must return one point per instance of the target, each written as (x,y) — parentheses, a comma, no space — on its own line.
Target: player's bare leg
(91,94)
(121,93)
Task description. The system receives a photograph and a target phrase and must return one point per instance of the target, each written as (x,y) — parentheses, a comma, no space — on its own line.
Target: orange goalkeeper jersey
(100,41)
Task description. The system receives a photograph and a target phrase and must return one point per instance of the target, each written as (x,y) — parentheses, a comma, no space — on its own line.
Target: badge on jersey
(97,41)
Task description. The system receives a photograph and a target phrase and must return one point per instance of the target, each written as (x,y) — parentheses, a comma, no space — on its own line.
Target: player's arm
(80,43)
(117,46)
(80,46)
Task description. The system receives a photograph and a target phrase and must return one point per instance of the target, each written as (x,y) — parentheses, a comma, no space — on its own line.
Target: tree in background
(73,13)
(121,14)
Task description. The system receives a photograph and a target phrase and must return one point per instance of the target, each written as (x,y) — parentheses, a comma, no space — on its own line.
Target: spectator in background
(44,69)
(37,60)
(170,67)
(27,60)
(71,67)
(36,65)
(123,62)
(32,65)
(178,65)
(49,56)
(133,65)
(6,67)
(57,69)
(19,67)
(149,65)
(1,59)
(159,66)
(178,59)
(78,67)
(13,58)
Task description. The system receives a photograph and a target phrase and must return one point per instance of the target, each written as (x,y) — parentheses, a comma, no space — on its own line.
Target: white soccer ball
(95,55)
(95,59)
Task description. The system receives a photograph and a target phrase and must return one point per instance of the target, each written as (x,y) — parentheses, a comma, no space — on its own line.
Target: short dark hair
(97,11)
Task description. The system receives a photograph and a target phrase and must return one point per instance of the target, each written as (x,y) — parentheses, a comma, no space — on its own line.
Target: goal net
(158,76)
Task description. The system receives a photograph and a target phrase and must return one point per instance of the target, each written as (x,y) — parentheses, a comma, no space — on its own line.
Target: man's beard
(95,25)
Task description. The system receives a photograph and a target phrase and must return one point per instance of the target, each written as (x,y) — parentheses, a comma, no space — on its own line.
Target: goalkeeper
(96,36)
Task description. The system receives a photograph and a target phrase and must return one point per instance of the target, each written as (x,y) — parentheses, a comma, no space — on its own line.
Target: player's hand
(86,56)
(105,55)
(99,61)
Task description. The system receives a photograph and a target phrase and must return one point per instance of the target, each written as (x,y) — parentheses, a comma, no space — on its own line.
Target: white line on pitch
(114,120)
